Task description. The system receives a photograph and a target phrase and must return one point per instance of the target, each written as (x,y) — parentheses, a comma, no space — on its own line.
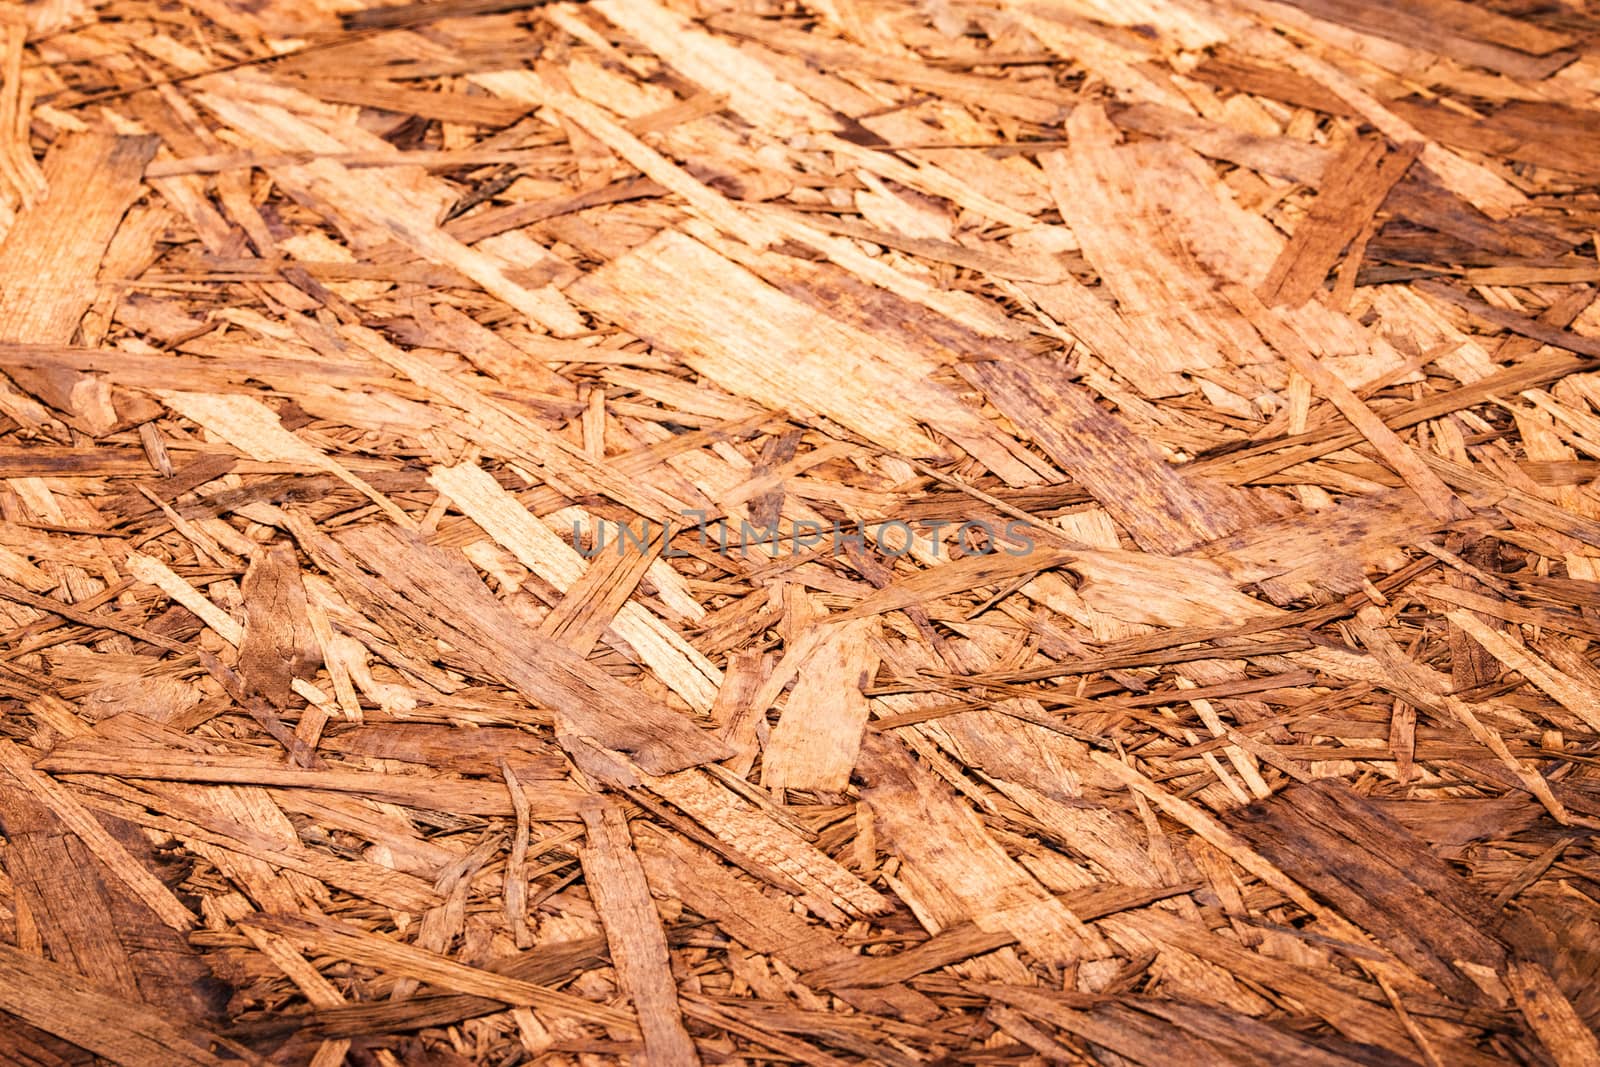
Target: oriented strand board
(828,533)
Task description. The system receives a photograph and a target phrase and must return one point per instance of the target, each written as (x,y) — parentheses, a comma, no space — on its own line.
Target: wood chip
(884,533)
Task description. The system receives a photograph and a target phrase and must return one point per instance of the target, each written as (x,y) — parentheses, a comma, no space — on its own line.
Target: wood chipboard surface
(844,531)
